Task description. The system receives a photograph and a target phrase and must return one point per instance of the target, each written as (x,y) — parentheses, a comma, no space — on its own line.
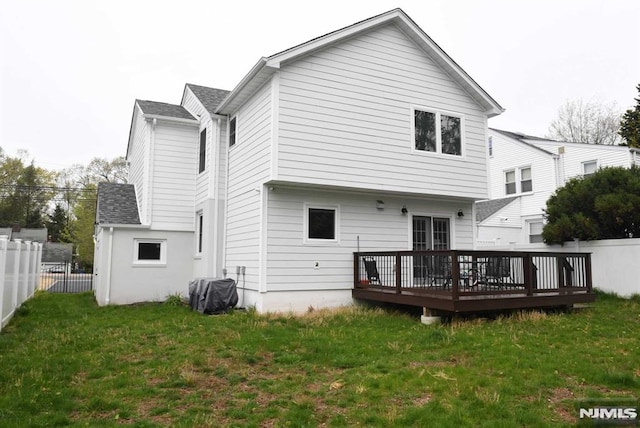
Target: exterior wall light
(380,204)
(460,213)
(404,209)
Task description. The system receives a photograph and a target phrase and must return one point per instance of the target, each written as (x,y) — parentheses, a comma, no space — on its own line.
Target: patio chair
(371,268)
(498,271)
(439,270)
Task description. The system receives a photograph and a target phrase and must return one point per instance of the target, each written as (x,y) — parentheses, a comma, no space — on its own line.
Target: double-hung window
(437,132)
(589,168)
(518,180)
(526,184)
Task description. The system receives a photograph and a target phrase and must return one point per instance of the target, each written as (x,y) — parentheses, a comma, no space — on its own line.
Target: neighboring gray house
(368,137)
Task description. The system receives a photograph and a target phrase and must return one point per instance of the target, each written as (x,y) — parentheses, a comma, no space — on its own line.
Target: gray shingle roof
(33,235)
(164,109)
(54,252)
(485,209)
(117,204)
(209,97)
(522,137)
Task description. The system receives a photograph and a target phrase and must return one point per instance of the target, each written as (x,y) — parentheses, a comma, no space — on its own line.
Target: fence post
(4,241)
(398,273)
(24,287)
(16,273)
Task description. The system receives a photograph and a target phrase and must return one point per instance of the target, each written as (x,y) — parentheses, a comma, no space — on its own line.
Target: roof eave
(256,77)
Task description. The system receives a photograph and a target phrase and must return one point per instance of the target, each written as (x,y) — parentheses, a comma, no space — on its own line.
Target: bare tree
(587,122)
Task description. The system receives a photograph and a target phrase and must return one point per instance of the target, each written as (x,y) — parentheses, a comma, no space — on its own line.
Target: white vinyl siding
(175,155)
(138,160)
(249,167)
(345,119)
(324,267)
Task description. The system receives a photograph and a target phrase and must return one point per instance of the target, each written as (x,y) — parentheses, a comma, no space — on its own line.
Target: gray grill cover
(212,295)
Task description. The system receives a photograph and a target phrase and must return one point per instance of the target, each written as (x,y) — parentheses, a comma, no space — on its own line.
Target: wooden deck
(473,281)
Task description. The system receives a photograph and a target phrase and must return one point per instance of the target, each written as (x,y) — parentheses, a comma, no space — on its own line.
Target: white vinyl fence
(19,274)
(615,263)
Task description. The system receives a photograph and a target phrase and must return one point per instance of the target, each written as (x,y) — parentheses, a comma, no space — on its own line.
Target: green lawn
(64,361)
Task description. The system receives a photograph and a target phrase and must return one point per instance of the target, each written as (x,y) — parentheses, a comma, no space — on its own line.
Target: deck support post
(428,317)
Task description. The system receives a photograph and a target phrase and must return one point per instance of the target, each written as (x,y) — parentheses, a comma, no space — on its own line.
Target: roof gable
(117,204)
(210,98)
(155,108)
(265,67)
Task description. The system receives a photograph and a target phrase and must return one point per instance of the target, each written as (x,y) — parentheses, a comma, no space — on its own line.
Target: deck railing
(461,273)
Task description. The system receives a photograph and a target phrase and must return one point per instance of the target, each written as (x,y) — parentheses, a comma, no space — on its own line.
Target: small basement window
(149,251)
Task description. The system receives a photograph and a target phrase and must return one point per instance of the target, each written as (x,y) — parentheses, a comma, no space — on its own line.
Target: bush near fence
(19,274)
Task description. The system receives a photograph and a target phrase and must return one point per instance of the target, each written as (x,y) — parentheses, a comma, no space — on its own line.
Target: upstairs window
(589,168)
(232,131)
(522,184)
(526,184)
(437,132)
(203,150)
(510,182)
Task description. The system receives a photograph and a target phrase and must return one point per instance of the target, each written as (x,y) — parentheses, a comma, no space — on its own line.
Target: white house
(370,137)
(524,171)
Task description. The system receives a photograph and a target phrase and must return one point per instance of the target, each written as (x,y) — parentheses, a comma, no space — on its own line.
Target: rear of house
(367,138)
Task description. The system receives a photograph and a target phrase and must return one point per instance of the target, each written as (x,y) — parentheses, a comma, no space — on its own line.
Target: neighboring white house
(524,171)
(367,138)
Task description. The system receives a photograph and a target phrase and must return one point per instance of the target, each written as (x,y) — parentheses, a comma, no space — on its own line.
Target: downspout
(109,260)
(215,170)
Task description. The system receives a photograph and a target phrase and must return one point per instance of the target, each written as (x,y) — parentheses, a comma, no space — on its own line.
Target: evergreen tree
(630,124)
(605,205)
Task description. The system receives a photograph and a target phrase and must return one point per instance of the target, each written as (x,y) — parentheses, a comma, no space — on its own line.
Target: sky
(70,70)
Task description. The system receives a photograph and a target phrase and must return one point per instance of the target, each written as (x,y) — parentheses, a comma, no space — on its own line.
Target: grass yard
(64,361)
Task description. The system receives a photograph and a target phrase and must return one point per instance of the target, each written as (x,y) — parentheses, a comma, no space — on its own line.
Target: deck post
(587,266)
(428,317)
(398,273)
(528,278)
(356,269)
(560,273)
(455,276)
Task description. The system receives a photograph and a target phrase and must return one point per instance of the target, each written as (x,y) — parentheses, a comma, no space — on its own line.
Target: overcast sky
(70,70)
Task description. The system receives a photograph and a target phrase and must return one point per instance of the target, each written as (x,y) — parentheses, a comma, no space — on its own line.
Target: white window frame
(163,252)
(530,223)
(514,182)
(235,134)
(518,180)
(317,241)
(438,119)
(521,170)
(585,163)
(202,150)
(199,241)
